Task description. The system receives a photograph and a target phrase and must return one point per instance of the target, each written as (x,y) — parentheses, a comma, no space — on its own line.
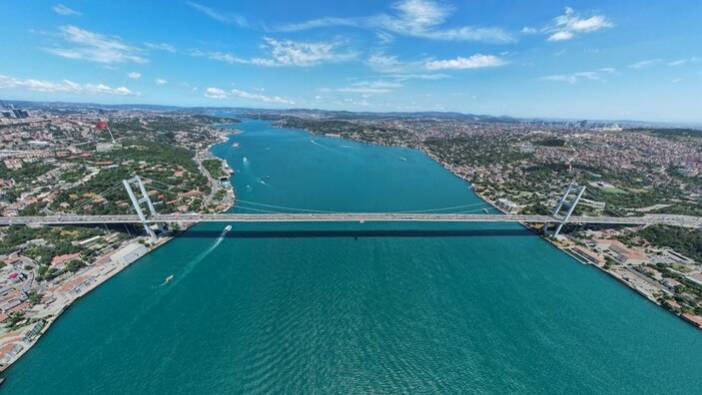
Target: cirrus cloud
(224,17)
(287,53)
(65,11)
(415,18)
(64,86)
(221,94)
(476,61)
(95,47)
(597,75)
(570,25)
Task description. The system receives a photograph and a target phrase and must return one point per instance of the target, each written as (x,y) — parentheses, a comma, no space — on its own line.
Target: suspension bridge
(146,214)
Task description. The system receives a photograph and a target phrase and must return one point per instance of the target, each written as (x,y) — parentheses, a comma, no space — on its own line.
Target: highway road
(672,220)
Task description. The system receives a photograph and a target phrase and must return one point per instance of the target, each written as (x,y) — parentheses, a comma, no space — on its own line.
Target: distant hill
(350,115)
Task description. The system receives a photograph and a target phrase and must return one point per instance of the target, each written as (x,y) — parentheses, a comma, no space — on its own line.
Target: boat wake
(190,266)
(320,145)
(161,291)
(199,258)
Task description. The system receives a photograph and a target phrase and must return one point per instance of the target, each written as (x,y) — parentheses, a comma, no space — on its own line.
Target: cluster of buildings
(9,112)
(522,167)
(55,161)
(657,273)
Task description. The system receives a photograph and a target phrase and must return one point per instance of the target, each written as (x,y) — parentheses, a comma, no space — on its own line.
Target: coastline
(620,279)
(107,273)
(16,338)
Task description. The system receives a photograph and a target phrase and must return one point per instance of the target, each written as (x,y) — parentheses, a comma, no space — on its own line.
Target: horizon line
(697,124)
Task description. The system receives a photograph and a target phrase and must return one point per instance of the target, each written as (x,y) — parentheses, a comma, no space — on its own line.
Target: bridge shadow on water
(291,234)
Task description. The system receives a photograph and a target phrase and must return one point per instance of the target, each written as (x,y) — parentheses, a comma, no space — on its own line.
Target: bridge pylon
(569,201)
(138,201)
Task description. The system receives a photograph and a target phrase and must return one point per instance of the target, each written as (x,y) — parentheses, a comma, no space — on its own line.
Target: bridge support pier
(571,207)
(136,203)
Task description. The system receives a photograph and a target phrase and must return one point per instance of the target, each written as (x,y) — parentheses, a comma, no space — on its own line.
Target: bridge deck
(673,220)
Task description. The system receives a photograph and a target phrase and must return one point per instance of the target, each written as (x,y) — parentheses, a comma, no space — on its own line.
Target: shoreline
(58,310)
(550,241)
(102,278)
(16,337)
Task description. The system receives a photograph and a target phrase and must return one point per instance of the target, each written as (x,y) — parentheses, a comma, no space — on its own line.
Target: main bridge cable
(274,208)
(246,207)
(262,207)
(465,207)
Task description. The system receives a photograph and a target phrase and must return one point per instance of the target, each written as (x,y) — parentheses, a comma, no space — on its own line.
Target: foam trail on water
(191,265)
(163,290)
(320,145)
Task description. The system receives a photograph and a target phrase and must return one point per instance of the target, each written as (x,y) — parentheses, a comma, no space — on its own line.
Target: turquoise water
(361,308)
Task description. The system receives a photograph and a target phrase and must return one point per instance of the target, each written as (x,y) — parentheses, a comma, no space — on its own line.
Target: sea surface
(358,308)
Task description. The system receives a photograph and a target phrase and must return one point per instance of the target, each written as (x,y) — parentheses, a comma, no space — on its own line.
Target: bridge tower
(569,201)
(136,202)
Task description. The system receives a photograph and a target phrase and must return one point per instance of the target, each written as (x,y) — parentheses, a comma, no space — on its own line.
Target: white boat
(227,228)
(167,280)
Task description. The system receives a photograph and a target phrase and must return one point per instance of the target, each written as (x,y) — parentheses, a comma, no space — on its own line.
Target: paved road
(673,220)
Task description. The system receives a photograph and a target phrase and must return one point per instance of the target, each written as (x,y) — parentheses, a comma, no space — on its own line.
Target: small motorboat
(227,228)
(167,280)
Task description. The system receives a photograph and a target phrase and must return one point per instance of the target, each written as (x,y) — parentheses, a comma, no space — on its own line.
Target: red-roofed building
(60,260)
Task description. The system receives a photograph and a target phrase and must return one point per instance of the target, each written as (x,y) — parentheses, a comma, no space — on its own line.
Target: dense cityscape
(72,160)
(523,167)
(384,197)
(65,160)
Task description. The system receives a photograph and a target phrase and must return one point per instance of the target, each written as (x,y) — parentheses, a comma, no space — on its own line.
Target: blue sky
(575,59)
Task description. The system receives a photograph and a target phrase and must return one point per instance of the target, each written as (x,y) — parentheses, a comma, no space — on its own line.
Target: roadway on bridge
(672,220)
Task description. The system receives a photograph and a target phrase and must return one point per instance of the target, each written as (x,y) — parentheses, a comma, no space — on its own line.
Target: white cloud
(219,56)
(561,36)
(583,75)
(65,86)
(161,47)
(295,53)
(260,97)
(134,75)
(221,94)
(215,93)
(473,62)
(385,38)
(287,53)
(383,63)
(371,87)
(570,24)
(684,61)
(224,17)
(65,11)
(95,47)
(398,70)
(428,77)
(645,63)
(160,81)
(416,18)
